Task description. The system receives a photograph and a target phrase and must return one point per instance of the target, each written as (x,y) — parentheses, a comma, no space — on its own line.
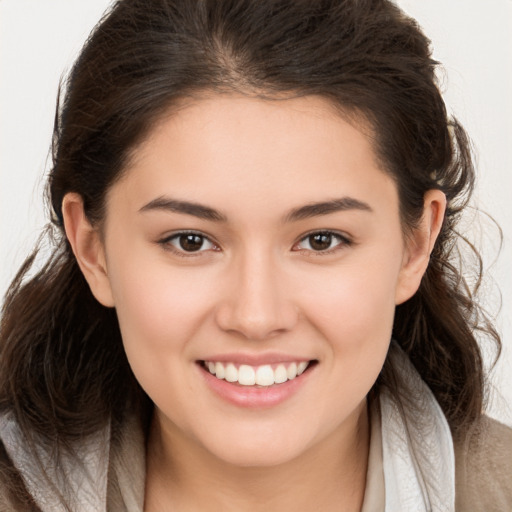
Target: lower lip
(252,396)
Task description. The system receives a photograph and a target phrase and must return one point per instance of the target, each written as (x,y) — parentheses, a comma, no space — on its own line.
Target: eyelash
(343,241)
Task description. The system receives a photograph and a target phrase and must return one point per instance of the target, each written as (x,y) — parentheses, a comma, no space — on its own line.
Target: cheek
(160,311)
(355,305)
(360,333)
(352,307)
(159,307)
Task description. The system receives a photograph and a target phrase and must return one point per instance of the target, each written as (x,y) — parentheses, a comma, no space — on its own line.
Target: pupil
(320,241)
(191,242)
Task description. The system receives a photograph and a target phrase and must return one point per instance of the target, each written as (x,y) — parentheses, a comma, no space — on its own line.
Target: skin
(258,287)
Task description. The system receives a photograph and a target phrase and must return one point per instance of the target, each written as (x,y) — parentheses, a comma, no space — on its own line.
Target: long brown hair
(63,372)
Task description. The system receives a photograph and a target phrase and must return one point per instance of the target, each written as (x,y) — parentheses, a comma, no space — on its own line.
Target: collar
(81,469)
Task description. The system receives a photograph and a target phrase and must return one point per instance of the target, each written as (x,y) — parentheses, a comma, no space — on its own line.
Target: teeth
(231,373)
(301,367)
(280,374)
(291,372)
(264,375)
(246,375)
(219,370)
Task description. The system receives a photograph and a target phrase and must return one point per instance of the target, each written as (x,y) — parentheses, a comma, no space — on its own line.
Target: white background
(472,38)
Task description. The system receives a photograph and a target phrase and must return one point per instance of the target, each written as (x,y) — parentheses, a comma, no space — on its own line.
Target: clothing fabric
(413,464)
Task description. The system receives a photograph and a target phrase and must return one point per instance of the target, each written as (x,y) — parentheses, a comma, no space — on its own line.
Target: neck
(330,475)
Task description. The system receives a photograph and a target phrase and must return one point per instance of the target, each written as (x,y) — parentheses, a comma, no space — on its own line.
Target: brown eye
(322,241)
(191,242)
(188,242)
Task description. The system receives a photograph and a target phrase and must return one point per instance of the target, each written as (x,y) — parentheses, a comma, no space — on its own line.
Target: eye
(322,241)
(189,242)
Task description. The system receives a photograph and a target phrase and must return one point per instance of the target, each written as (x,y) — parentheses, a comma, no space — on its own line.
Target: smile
(263,375)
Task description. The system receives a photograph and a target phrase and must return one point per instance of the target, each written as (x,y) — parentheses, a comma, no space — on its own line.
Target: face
(251,239)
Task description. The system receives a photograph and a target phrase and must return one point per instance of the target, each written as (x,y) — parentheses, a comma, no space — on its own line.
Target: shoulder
(483,461)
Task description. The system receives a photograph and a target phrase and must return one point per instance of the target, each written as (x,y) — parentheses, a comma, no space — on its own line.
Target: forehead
(227,148)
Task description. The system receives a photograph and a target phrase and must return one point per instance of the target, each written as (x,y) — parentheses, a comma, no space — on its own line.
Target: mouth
(261,376)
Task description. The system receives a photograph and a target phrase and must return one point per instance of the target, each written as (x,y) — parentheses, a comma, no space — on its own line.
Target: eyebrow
(327,207)
(186,207)
(303,212)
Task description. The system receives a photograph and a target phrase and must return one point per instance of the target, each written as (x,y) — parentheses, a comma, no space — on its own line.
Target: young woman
(252,303)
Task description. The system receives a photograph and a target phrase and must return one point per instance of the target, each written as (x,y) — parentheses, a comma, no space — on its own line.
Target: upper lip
(256,359)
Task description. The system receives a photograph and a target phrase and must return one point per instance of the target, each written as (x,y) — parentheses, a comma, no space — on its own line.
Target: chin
(247,450)
(257,456)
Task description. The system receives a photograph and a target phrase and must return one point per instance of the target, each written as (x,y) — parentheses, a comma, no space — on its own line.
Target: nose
(256,302)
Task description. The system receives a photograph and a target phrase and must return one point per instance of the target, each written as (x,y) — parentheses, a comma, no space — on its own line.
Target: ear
(419,245)
(87,247)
